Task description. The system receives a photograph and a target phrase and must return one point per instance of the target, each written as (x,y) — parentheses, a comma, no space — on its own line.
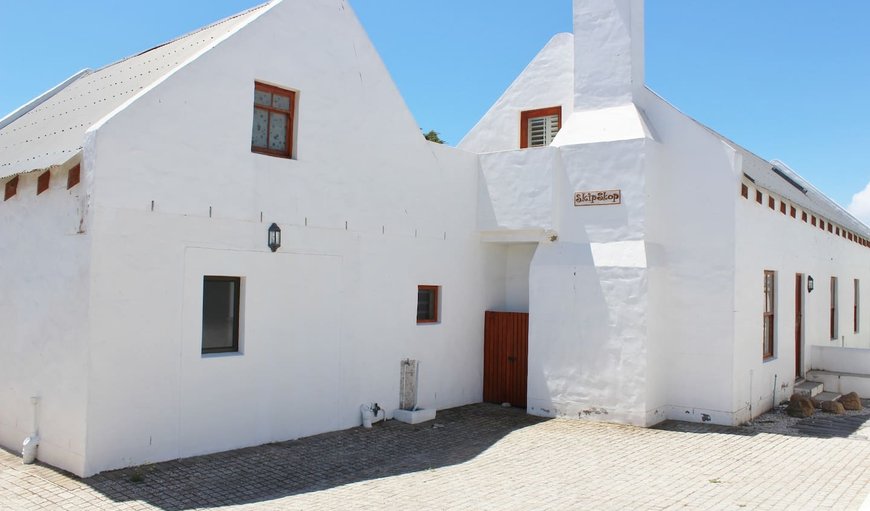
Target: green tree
(432,136)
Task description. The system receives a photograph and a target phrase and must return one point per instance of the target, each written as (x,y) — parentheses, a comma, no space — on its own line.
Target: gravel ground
(778,422)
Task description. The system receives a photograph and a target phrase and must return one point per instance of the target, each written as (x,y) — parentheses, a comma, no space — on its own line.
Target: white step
(827,396)
(809,388)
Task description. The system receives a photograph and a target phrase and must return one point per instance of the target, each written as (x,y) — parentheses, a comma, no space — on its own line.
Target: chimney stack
(608,53)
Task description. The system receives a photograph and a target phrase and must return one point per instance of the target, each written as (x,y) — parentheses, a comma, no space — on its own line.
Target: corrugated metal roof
(52,130)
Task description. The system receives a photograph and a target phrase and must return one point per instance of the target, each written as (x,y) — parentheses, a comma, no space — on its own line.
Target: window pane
(219,314)
(281,102)
(426,304)
(277,131)
(260,133)
(262,98)
(768,292)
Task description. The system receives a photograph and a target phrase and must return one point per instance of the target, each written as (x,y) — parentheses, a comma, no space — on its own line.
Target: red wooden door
(505,357)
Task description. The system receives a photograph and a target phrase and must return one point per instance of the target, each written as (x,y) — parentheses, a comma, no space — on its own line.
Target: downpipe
(28,447)
(371,413)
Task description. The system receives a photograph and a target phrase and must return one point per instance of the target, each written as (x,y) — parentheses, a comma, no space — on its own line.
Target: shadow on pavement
(315,463)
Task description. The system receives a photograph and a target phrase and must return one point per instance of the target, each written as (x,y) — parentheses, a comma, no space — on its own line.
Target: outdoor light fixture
(809,284)
(274,237)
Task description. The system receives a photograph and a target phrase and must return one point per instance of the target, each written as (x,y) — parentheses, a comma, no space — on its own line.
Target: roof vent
(789,180)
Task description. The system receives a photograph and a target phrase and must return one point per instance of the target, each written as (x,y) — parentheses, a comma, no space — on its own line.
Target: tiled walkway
(479,457)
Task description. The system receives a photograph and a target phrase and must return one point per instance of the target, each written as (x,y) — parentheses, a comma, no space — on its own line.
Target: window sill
(274,155)
(771,358)
(222,354)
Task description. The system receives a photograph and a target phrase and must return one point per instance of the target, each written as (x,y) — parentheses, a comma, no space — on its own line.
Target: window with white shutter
(539,127)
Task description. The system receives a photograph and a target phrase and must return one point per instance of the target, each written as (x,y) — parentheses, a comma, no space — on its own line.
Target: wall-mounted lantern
(274,237)
(809,284)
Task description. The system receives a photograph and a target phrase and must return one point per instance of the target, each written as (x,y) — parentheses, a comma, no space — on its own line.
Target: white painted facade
(642,311)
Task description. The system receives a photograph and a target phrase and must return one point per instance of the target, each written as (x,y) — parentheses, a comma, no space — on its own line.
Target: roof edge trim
(45,96)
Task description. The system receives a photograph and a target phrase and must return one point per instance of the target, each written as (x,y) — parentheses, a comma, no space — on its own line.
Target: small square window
(11,188)
(427,304)
(274,112)
(758,196)
(43,182)
(744,191)
(220,314)
(538,128)
(74,176)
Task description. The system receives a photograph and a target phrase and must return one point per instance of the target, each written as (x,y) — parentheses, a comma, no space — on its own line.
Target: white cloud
(860,206)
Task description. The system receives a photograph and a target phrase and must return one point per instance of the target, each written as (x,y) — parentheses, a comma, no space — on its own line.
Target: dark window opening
(220,314)
(427,304)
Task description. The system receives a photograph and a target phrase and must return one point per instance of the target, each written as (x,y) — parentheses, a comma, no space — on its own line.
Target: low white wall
(838,359)
(44,249)
(841,370)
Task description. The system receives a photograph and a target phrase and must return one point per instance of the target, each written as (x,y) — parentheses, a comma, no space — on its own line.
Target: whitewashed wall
(369,210)
(768,240)
(690,236)
(44,277)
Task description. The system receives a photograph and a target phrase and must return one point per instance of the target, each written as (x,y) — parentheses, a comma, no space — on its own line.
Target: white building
(144,309)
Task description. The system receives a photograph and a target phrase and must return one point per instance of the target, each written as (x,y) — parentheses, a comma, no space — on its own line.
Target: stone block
(851,401)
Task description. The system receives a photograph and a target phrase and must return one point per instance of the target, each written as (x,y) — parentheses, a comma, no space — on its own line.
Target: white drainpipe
(28,448)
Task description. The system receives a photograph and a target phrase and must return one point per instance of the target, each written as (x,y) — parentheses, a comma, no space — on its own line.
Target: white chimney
(608,53)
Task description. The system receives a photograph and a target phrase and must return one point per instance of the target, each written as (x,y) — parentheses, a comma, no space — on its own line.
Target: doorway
(506,357)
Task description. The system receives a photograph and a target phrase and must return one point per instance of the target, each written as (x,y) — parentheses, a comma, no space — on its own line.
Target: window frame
(527,115)
(291,120)
(834,326)
(237,310)
(769,316)
(856,306)
(436,305)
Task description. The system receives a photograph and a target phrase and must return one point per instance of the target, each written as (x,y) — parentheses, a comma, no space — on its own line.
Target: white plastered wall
(368,211)
(44,272)
(770,240)
(690,239)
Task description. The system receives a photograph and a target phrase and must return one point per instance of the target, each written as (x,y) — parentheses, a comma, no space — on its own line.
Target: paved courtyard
(480,457)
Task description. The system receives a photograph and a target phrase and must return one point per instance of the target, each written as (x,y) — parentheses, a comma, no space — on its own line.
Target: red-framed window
(274,114)
(857,305)
(539,127)
(769,317)
(428,298)
(833,308)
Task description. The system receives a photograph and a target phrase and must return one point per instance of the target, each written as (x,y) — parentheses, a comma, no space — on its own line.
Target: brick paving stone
(479,457)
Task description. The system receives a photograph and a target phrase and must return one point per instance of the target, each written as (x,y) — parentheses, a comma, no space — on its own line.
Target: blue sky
(787,79)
